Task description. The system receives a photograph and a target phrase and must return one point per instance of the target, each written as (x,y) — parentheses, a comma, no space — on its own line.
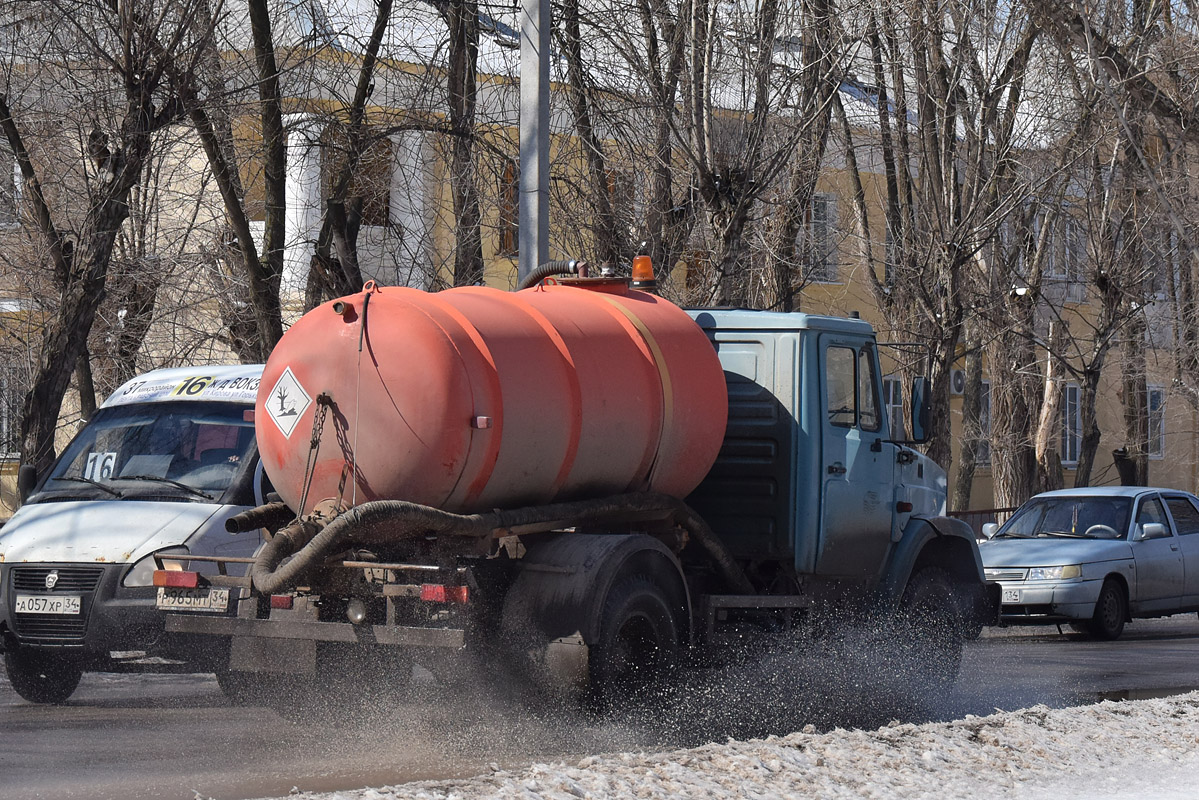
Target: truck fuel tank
(474,398)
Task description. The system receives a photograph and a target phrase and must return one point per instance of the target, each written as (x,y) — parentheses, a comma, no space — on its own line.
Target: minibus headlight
(142,573)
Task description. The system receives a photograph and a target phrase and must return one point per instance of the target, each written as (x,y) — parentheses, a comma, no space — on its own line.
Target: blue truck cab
(812,483)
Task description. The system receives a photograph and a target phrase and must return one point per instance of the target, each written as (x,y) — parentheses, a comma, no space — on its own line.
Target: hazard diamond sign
(287,402)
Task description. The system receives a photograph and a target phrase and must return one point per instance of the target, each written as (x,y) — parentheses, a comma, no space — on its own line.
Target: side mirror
(990,529)
(920,411)
(1152,530)
(26,480)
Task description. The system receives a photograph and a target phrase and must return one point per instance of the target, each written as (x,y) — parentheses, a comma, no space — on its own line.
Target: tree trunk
(265,291)
(1134,398)
(972,432)
(611,247)
(1049,460)
(462,17)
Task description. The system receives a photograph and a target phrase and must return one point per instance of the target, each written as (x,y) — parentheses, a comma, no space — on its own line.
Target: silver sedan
(1096,558)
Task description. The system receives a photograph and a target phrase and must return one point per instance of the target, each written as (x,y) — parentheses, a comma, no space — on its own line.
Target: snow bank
(1142,749)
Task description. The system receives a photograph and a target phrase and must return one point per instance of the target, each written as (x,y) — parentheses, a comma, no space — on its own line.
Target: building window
(893,403)
(509,218)
(13,385)
(622,194)
(817,245)
(10,189)
(370,182)
(1071,424)
(982,450)
(1156,405)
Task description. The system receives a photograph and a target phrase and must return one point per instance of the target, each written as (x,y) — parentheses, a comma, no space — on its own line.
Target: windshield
(1082,517)
(188,450)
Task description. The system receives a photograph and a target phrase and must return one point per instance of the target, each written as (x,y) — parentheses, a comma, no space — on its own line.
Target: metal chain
(323,401)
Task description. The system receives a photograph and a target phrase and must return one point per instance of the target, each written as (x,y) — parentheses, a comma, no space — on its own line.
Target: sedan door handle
(1174,547)
(836,469)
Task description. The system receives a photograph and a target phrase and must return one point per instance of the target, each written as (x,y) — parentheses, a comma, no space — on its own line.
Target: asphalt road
(176,736)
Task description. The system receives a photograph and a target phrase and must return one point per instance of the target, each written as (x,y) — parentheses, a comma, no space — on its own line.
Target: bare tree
(113,60)
(947,107)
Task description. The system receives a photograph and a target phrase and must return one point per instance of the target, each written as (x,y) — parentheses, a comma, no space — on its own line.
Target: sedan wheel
(1111,610)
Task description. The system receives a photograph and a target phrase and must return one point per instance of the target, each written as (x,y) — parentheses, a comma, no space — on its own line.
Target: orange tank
(473,398)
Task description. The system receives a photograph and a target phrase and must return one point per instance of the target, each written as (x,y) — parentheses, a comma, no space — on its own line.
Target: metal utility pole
(534,238)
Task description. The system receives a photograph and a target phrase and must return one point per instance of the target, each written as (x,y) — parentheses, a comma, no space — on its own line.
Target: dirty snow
(1144,749)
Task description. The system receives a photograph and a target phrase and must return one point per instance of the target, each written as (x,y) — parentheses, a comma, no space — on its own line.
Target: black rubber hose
(729,569)
(270,516)
(394,520)
(548,269)
(388,520)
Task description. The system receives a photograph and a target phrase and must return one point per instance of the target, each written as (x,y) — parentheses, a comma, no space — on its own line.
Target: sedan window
(1186,517)
(1152,511)
(1092,517)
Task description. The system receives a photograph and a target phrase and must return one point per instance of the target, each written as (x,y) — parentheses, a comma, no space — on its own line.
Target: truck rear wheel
(638,644)
(42,677)
(932,627)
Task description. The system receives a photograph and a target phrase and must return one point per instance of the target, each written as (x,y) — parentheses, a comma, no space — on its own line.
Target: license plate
(1011,595)
(47,604)
(210,599)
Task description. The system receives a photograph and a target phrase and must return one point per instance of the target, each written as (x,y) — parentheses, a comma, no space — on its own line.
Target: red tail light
(283,601)
(176,579)
(437,593)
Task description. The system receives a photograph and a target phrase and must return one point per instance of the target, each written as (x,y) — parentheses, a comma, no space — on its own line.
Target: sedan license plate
(210,599)
(47,604)
(1011,595)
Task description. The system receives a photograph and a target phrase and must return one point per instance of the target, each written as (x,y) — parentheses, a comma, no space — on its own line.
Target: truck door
(858,466)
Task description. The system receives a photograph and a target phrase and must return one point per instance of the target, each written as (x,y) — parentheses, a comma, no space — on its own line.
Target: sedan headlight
(1055,573)
(142,573)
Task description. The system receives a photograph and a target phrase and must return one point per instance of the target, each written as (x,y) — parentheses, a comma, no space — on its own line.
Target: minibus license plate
(47,604)
(210,599)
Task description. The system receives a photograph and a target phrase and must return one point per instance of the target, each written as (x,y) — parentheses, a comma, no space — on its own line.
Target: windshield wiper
(91,482)
(1011,535)
(1066,534)
(179,484)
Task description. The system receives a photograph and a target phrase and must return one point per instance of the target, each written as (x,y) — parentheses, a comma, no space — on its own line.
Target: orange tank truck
(581,488)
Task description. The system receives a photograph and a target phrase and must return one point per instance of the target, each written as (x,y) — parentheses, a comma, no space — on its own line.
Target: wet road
(176,736)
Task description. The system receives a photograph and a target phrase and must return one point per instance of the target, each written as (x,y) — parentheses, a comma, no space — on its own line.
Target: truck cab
(811,481)
(153,474)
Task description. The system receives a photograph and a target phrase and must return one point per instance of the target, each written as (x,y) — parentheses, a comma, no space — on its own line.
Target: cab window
(841,382)
(868,412)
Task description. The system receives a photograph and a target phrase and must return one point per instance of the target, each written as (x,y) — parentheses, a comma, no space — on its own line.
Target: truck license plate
(47,604)
(1011,595)
(210,599)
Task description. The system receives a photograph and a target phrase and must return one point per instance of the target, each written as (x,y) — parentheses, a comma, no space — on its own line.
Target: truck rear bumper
(393,635)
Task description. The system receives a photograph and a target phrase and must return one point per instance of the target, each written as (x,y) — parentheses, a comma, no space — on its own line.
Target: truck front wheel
(638,645)
(42,677)
(932,628)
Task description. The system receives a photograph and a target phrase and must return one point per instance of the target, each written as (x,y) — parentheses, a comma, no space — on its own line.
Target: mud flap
(567,664)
